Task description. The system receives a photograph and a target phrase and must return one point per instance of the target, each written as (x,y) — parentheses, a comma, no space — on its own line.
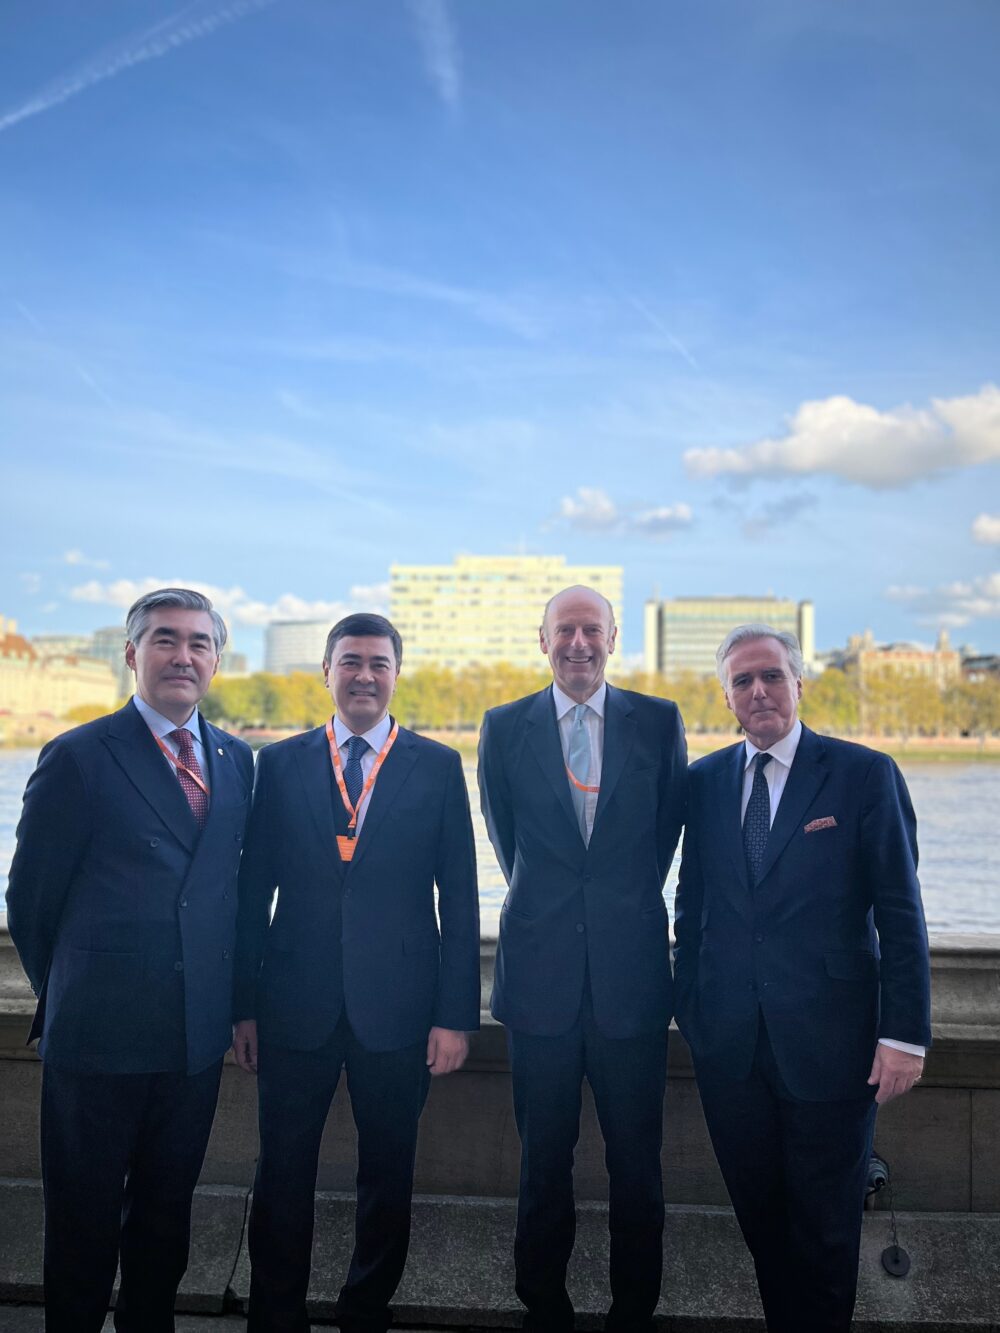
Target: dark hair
(184,599)
(363,625)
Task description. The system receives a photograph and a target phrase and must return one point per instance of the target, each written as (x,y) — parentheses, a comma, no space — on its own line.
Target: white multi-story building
(295,645)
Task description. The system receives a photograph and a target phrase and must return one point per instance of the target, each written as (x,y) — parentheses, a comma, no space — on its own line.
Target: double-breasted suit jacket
(830,946)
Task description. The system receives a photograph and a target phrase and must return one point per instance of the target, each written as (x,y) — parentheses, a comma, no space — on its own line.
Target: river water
(957,809)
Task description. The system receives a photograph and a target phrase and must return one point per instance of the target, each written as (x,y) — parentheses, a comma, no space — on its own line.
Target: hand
(446,1050)
(894,1071)
(245,1044)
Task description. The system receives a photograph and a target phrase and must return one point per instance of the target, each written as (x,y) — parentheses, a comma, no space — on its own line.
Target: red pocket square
(815,825)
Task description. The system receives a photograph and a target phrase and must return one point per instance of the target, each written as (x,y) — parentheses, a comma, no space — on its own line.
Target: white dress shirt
(776,773)
(594,722)
(376,738)
(162,726)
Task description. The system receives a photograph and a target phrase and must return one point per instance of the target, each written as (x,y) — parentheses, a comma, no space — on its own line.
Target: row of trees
(430,699)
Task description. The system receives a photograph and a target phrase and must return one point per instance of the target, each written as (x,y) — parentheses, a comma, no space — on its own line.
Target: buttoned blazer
(122,911)
(575,911)
(830,945)
(361,934)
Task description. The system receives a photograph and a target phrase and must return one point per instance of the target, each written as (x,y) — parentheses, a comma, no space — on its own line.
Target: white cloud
(235,605)
(858,443)
(593,510)
(439,47)
(590,509)
(159,40)
(952,604)
(986,529)
(76,557)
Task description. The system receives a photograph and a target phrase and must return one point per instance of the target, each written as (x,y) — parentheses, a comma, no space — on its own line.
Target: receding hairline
(578,588)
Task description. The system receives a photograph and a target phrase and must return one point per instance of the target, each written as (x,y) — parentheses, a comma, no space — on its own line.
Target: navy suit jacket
(123,914)
(574,910)
(361,934)
(830,946)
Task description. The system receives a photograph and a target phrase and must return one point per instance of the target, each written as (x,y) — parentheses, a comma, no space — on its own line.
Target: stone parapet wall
(942,1141)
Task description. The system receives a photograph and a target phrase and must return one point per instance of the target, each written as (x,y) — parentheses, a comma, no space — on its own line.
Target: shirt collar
(564,703)
(783,750)
(376,737)
(162,726)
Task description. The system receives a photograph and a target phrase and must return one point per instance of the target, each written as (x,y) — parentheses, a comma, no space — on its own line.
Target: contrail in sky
(439,45)
(188,25)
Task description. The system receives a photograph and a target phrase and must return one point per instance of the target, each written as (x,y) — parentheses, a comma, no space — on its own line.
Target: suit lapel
(134,748)
(218,747)
(543,737)
(619,736)
(729,797)
(313,761)
(805,777)
(394,772)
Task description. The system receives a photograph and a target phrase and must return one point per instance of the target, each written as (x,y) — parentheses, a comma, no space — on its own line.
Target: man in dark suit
(583,791)
(122,905)
(353,824)
(802,975)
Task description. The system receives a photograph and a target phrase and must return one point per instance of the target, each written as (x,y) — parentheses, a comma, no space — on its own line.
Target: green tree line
(432,699)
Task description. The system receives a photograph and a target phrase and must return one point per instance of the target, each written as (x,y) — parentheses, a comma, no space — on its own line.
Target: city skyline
(297,291)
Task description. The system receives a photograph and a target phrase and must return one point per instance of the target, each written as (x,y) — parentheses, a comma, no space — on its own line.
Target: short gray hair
(756,630)
(141,611)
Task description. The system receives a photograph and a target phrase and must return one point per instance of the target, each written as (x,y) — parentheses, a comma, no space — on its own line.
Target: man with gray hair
(802,979)
(121,903)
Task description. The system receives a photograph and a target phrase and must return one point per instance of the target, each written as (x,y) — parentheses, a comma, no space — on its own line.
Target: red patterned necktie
(197,798)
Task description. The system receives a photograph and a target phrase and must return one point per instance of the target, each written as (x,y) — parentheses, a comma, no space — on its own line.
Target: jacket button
(239,837)
(225,897)
(154,842)
(580,927)
(225,953)
(178,967)
(758,939)
(184,902)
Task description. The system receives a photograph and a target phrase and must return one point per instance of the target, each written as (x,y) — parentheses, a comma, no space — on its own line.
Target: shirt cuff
(903,1046)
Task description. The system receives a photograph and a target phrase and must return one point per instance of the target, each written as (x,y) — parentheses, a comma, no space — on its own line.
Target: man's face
(762,691)
(577,638)
(361,678)
(174,661)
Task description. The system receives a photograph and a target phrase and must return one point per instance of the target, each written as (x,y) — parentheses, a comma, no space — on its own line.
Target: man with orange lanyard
(122,906)
(353,824)
(583,790)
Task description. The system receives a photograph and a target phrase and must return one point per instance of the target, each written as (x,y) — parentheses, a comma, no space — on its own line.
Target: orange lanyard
(338,770)
(183,768)
(580,786)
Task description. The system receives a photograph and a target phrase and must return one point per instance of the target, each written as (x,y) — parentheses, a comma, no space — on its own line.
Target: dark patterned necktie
(757,820)
(353,778)
(197,799)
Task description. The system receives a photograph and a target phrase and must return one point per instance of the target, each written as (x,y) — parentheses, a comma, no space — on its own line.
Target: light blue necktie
(579,765)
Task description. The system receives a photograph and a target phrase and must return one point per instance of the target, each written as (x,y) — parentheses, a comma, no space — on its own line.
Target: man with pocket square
(802,976)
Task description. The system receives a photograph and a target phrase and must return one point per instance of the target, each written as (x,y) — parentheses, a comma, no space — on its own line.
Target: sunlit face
(174,661)
(361,678)
(578,637)
(762,690)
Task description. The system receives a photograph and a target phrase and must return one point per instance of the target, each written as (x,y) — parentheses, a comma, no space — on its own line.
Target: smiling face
(762,690)
(361,677)
(174,661)
(577,636)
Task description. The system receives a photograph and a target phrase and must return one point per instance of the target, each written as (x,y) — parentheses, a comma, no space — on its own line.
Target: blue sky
(295,289)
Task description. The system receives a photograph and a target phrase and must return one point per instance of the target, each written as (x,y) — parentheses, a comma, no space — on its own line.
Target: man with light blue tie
(583,791)
(802,975)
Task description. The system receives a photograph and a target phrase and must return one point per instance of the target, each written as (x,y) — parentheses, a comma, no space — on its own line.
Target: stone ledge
(460,1271)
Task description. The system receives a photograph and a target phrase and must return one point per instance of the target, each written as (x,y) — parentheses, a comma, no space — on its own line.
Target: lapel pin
(220,749)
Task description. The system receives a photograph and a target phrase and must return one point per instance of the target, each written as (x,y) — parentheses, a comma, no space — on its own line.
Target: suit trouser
(627,1076)
(796,1173)
(296,1088)
(121,1155)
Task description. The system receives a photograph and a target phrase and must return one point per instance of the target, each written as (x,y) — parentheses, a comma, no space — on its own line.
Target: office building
(869,660)
(683,633)
(482,610)
(295,645)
